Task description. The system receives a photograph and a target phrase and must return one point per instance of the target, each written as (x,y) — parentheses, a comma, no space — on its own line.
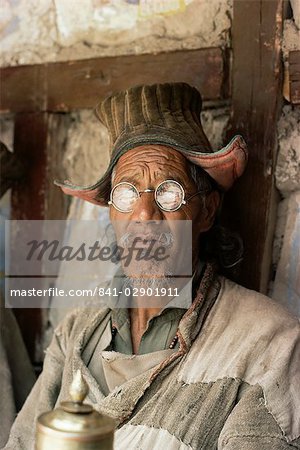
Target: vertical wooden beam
(256,99)
(30,139)
(38,142)
(30,146)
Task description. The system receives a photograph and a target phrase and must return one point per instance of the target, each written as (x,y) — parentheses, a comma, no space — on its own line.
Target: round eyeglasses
(169,196)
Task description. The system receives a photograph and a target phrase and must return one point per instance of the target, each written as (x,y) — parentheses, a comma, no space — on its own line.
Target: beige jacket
(233,384)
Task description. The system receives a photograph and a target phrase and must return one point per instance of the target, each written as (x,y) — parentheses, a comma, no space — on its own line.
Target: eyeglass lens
(124,196)
(169,196)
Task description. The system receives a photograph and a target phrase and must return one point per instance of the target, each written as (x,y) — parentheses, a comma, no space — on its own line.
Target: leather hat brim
(223,166)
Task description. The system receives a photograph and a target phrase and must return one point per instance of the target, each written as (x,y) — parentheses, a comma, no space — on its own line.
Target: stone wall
(35,31)
(286,255)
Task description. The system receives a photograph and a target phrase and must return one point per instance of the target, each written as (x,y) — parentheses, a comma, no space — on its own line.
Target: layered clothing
(231,383)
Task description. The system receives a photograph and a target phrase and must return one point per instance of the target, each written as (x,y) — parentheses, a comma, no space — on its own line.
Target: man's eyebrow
(176,177)
(134,178)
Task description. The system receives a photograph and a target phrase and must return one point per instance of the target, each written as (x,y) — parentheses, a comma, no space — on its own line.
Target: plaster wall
(286,253)
(36,31)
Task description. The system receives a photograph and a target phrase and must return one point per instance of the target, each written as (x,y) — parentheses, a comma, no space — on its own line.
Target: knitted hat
(166,114)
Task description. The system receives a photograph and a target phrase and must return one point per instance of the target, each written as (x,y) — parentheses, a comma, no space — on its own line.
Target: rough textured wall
(288,161)
(35,31)
(286,254)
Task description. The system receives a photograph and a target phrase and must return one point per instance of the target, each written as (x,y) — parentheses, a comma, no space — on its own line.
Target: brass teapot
(75,425)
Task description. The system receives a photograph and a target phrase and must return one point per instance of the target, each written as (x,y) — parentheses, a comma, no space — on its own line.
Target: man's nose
(146,208)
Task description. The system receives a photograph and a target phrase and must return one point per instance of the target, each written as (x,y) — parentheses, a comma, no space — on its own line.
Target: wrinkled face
(146,167)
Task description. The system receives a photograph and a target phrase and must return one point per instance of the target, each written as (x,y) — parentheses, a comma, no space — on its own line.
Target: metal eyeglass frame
(110,202)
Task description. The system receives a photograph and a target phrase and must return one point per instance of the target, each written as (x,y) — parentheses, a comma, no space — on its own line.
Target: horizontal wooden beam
(72,85)
(294,76)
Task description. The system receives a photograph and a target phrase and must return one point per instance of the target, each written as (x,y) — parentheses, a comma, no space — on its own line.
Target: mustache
(165,238)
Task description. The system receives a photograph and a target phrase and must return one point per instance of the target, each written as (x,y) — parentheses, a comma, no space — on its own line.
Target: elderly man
(222,373)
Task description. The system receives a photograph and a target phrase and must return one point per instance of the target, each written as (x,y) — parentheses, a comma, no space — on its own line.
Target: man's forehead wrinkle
(146,158)
(139,170)
(157,152)
(153,163)
(132,169)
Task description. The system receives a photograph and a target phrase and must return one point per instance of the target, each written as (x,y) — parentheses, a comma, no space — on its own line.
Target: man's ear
(208,213)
